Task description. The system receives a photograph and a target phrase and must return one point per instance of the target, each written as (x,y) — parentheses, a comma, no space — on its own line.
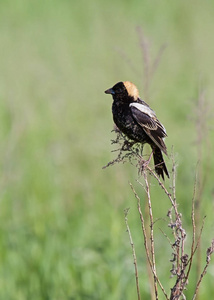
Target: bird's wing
(147,119)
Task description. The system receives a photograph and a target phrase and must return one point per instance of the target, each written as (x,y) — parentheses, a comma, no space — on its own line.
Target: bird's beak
(110,91)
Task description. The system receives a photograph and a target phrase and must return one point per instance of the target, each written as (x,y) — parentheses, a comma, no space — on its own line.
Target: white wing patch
(145,109)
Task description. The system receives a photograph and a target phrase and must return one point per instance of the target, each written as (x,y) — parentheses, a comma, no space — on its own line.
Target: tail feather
(160,166)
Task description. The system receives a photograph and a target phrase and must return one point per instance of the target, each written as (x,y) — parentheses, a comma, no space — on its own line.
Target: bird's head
(124,91)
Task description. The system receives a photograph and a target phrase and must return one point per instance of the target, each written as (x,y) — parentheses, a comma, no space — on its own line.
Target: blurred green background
(62,231)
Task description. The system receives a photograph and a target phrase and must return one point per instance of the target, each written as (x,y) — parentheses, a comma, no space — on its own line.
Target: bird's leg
(144,163)
(150,156)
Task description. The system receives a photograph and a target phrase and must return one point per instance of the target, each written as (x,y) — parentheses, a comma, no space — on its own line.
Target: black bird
(138,121)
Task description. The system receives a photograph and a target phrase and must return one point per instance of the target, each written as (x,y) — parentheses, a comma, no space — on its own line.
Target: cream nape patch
(131,89)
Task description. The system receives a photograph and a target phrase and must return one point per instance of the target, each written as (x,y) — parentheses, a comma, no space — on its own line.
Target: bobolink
(138,121)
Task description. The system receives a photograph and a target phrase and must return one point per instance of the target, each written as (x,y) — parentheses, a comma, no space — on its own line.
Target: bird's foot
(143,164)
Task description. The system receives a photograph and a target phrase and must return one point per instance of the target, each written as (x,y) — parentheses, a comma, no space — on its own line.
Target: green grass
(62,231)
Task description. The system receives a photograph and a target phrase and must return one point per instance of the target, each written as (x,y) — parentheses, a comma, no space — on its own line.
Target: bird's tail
(160,166)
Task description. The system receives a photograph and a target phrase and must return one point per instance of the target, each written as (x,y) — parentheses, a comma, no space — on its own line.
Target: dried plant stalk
(133,252)
(181,261)
(210,251)
(156,279)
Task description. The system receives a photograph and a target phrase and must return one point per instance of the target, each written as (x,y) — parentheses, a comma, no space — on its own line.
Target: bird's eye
(118,91)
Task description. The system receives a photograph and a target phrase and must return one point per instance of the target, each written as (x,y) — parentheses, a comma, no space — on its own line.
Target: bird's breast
(125,122)
(121,115)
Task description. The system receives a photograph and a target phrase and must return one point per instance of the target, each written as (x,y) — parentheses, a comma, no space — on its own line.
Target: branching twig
(166,192)
(146,242)
(133,252)
(151,232)
(181,261)
(210,251)
(143,226)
